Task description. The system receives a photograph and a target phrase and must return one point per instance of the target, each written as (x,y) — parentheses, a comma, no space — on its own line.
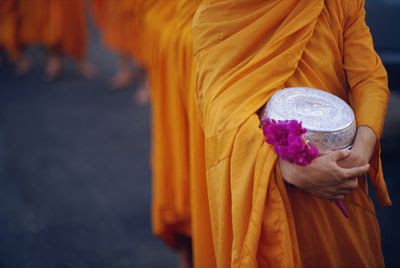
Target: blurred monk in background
(113,19)
(57,25)
(10,42)
(8,29)
(117,22)
(160,52)
(263,211)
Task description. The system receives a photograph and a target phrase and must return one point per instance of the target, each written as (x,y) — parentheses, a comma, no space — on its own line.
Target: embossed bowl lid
(319,111)
(329,120)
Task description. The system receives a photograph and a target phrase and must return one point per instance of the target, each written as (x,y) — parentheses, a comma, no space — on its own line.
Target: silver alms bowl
(329,120)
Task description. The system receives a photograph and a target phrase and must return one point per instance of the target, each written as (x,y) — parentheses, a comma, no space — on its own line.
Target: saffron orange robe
(54,24)
(185,192)
(170,164)
(115,19)
(200,227)
(177,140)
(245,51)
(201,231)
(8,28)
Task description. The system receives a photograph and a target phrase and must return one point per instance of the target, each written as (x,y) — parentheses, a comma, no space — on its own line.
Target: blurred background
(383,18)
(74,161)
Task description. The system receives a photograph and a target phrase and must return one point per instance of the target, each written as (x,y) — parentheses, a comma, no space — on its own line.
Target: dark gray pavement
(75,179)
(74,172)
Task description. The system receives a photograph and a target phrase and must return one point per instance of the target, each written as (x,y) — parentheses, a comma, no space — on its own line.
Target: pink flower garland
(287,138)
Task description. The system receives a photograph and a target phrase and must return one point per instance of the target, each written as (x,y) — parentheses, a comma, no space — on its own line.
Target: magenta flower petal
(286,137)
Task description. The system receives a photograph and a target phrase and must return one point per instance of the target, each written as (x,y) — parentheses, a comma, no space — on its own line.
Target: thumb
(340,154)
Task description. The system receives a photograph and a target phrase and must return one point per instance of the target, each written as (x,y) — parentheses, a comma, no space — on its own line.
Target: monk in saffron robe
(60,27)
(8,29)
(114,21)
(175,138)
(263,212)
(10,42)
(159,52)
(170,205)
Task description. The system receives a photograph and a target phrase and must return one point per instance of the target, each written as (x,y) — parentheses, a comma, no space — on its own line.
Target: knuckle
(301,185)
(358,158)
(329,192)
(344,174)
(337,174)
(360,172)
(352,187)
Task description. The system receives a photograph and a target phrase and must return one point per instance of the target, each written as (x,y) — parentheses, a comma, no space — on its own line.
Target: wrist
(287,171)
(364,143)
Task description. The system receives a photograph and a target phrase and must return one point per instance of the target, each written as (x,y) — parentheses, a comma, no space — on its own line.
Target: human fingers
(350,184)
(339,154)
(333,193)
(328,192)
(338,196)
(341,192)
(325,152)
(321,194)
(348,173)
(355,159)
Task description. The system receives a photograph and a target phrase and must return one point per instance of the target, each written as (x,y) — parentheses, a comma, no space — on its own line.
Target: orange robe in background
(245,51)
(177,140)
(115,19)
(54,24)
(141,48)
(8,28)
(203,253)
(170,151)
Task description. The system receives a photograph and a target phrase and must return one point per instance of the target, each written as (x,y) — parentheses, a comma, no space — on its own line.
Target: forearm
(364,143)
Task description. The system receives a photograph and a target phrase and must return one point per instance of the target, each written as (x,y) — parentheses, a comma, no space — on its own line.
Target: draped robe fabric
(177,138)
(245,51)
(168,64)
(179,202)
(170,205)
(55,24)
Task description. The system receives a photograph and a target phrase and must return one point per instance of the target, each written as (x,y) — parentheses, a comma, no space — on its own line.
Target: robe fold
(244,52)
(179,190)
(170,207)
(202,246)
(177,139)
(55,24)
(167,63)
(200,228)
